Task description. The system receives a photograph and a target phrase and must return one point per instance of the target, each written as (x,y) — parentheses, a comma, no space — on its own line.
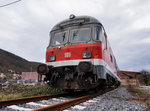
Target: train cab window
(80,35)
(59,38)
(105,36)
(98,33)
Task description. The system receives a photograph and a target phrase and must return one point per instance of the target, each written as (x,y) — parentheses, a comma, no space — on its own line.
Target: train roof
(76,20)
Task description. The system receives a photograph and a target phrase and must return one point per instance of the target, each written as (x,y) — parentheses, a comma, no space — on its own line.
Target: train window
(98,34)
(115,63)
(59,38)
(111,58)
(80,35)
(105,40)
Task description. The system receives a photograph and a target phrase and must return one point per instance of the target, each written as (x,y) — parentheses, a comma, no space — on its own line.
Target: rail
(63,105)
(28,99)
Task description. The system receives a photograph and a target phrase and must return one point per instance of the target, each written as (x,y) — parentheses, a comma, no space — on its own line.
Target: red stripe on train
(73,52)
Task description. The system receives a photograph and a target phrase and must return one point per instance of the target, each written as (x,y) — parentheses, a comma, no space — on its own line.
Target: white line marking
(75,62)
(19,108)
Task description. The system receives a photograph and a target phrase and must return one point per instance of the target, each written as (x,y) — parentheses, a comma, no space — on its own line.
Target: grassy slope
(18,64)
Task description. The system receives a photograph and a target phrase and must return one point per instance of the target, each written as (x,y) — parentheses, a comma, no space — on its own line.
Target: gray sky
(25,26)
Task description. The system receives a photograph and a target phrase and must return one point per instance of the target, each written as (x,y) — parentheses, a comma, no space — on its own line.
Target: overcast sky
(25,27)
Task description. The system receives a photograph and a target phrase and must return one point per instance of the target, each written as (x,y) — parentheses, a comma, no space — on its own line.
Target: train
(79,56)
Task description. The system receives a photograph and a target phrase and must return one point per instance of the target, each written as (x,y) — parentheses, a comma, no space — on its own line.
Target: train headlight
(52,58)
(42,69)
(86,55)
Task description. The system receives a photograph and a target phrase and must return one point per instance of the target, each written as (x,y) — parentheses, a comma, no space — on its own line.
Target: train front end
(74,55)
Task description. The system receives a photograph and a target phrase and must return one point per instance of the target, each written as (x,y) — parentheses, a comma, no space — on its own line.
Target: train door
(105,47)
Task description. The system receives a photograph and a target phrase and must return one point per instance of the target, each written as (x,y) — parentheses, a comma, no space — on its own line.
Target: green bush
(144,78)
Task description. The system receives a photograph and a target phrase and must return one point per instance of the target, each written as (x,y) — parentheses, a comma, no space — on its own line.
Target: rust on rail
(63,105)
(27,99)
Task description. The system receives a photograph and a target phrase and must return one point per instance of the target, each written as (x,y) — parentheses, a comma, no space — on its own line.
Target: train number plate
(67,54)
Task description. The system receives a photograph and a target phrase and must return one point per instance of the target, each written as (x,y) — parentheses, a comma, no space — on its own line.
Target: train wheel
(69,90)
(109,81)
(102,85)
(96,89)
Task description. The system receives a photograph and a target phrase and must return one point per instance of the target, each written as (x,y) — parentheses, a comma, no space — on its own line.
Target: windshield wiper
(74,34)
(64,36)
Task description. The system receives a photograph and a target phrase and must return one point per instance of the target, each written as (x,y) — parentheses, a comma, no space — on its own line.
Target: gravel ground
(111,101)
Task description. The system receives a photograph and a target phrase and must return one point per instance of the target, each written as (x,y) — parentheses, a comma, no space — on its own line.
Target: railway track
(48,103)
(27,99)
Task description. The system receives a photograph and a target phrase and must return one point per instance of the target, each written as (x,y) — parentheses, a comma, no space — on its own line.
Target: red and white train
(79,56)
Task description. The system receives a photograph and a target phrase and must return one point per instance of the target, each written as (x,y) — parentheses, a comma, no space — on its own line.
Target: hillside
(9,61)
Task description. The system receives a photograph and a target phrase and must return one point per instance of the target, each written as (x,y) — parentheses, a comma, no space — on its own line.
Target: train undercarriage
(81,77)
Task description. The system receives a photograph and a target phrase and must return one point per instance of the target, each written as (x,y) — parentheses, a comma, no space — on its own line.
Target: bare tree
(145,75)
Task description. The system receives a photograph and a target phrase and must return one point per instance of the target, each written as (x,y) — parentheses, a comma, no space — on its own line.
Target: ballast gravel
(115,100)
(34,105)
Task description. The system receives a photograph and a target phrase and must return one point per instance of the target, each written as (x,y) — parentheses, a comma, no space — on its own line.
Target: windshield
(59,38)
(80,35)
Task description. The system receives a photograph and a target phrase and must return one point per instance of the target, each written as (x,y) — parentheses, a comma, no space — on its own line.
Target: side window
(105,36)
(111,58)
(115,63)
(98,33)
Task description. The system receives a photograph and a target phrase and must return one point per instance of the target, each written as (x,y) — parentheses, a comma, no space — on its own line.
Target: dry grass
(142,96)
(19,91)
(148,103)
